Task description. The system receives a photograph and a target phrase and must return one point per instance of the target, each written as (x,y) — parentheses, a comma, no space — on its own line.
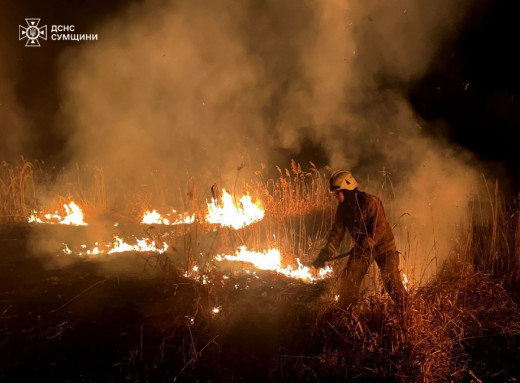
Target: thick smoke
(168,88)
(196,88)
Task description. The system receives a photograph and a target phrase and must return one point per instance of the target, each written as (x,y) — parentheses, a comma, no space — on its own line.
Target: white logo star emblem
(32,32)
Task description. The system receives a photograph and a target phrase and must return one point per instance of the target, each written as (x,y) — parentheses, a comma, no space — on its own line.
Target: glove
(319,262)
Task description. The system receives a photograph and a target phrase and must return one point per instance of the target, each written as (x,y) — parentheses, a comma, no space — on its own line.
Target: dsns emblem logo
(32,32)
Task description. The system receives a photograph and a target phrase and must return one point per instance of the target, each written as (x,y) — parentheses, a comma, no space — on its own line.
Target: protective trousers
(357,267)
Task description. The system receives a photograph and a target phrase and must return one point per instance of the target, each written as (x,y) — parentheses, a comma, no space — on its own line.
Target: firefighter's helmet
(342,180)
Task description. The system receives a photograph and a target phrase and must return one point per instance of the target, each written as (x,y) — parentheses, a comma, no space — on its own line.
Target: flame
(153,217)
(120,246)
(143,245)
(405,281)
(272,260)
(74,216)
(229,213)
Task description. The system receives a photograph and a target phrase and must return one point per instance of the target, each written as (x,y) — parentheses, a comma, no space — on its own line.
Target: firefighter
(364,217)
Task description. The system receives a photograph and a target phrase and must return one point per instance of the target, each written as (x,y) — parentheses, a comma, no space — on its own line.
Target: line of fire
(226,211)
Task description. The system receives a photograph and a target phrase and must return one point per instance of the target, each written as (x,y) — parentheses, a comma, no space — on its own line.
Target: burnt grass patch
(117,318)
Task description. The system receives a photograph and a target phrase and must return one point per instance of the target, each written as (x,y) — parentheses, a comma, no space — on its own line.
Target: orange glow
(73,216)
(233,214)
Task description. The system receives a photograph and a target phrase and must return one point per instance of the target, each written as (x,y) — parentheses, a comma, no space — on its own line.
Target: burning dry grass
(463,326)
(276,329)
(296,216)
(235,325)
(27,186)
(73,216)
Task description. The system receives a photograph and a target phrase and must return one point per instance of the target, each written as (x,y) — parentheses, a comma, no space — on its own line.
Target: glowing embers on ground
(234,214)
(73,216)
(173,218)
(272,260)
(198,276)
(145,245)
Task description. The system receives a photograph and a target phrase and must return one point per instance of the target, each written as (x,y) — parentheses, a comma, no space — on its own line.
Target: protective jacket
(365,220)
(363,216)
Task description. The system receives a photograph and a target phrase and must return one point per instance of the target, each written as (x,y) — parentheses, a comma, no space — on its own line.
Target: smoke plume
(196,88)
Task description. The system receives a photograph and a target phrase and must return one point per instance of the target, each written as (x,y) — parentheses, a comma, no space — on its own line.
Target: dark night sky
(472,85)
(37,77)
